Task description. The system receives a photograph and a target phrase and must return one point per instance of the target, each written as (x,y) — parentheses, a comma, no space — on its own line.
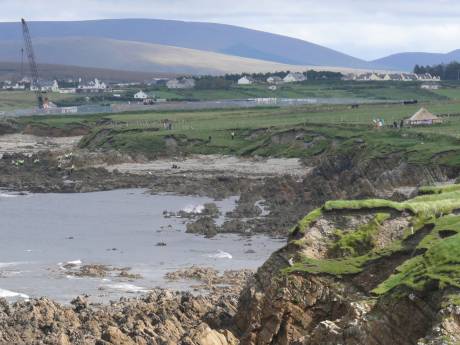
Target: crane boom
(32,63)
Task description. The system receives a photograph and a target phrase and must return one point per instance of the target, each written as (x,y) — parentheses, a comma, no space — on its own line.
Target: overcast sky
(364,28)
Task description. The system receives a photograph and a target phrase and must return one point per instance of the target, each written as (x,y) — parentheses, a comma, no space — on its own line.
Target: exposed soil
(212,165)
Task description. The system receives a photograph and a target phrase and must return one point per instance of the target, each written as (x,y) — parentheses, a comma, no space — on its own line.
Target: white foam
(197,209)
(9,264)
(12,294)
(221,255)
(70,277)
(6,195)
(127,287)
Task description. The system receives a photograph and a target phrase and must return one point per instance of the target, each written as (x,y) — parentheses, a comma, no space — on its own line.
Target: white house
(19,86)
(294,78)
(245,80)
(93,86)
(376,77)
(274,80)
(55,87)
(141,95)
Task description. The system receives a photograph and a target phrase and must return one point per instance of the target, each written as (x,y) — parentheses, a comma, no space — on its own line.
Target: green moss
(305,223)
(333,267)
(363,204)
(440,264)
(426,205)
(437,256)
(439,189)
(358,242)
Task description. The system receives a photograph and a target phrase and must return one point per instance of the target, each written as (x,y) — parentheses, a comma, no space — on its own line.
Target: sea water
(40,233)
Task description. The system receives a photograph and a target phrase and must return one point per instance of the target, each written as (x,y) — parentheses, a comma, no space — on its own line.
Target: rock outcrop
(361,272)
(162,317)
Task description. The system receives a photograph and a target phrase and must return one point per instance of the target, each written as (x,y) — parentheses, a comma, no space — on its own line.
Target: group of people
(401,124)
(380,123)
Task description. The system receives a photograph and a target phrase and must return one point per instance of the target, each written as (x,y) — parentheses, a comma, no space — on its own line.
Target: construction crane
(32,64)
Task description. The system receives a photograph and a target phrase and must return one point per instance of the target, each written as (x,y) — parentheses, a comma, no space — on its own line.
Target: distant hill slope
(407,61)
(138,56)
(12,70)
(218,38)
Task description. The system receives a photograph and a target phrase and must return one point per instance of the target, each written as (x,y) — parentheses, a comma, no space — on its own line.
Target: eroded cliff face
(347,176)
(343,279)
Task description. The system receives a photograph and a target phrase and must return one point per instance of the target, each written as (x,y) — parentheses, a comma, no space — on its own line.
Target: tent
(423,117)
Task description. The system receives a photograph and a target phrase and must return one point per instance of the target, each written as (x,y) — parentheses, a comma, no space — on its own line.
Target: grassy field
(265,131)
(304,131)
(10,100)
(310,89)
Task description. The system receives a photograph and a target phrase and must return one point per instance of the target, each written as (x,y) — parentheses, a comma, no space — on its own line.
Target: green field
(10,100)
(384,91)
(304,131)
(309,89)
(265,132)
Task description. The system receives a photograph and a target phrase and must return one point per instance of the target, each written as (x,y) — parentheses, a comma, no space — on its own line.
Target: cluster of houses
(370,76)
(68,86)
(391,77)
(295,77)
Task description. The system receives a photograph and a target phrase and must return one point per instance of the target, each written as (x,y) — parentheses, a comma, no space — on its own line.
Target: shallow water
(41,232)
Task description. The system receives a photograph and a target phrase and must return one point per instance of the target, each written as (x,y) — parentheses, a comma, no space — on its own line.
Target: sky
(367,29)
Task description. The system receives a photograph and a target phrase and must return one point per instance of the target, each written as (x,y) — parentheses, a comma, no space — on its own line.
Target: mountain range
(150,45)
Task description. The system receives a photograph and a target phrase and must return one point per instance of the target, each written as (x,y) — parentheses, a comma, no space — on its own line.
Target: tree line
(449,71)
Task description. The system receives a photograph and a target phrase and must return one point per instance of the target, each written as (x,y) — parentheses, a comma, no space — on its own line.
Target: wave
(9,264)
(127,287)
(220,255)
(12,294)
(5,195)
(197,209)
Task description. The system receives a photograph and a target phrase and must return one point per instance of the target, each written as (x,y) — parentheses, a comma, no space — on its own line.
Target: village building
(185,83)
(55,87)
(141,95)
(274,80)
(294,78)
(408,77)
(390,77)
(47,86)
(92,86)
(423,117)
(17,86)
(245,80)
(376,77)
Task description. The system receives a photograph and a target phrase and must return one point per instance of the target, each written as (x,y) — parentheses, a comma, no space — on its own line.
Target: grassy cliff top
(304,131)
(430,242)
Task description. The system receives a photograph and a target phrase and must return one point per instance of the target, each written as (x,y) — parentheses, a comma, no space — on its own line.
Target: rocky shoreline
(235,307)
(160,317)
